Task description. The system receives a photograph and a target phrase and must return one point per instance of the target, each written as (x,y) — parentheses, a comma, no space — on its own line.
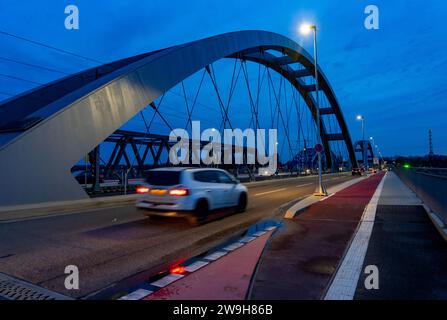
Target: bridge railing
(430,184)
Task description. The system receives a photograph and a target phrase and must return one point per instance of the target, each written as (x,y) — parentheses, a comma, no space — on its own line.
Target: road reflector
(163,282)
(247,239)
(216,255)
(259,233)
(196,266)
(233,246)
(136,295)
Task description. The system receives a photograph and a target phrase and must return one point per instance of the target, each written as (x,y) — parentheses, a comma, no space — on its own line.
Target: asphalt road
(110,244)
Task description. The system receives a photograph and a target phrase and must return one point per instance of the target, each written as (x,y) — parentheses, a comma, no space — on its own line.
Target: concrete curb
(437,222)
(310,200)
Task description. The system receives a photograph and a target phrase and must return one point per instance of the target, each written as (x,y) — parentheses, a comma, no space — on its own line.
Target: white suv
(190,192)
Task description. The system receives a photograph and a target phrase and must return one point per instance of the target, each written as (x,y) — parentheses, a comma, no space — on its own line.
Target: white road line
(247,239)
(233,246)
(262,193)
(216,255)
(163,282)
(327,197)
(196,266)
(345,281)
(306,184)
(65,213)
(136,295)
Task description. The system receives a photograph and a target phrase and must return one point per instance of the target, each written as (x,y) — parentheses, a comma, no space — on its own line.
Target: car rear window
(163,178)
(206,176)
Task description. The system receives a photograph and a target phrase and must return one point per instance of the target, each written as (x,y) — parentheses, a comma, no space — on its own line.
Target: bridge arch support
(44,132)
(360,146)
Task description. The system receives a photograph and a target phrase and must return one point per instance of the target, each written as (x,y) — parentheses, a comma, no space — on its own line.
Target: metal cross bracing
(146,148)
(136,152)
(359,148)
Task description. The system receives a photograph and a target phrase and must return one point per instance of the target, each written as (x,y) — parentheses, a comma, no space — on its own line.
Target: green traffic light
(407,166)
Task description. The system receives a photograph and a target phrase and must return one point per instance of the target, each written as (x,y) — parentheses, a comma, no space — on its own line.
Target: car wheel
(200,213)
(242,203)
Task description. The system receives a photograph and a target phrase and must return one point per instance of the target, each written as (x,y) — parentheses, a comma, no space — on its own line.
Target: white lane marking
(196,266)
(262,193)
(66,213)
(163,282)
(305,184)
(327,197)
(259,233)
(247,239)
(216,255)
(233,246)
(136,295)
(345,281)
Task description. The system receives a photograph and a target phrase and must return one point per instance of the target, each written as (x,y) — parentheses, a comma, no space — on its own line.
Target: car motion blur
(190,193)
(266,172)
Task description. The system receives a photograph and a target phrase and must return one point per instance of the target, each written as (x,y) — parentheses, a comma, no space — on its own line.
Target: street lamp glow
(359,117)
(306,28)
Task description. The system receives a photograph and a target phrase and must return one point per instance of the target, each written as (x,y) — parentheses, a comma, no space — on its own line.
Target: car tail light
(143,189)
(179,192)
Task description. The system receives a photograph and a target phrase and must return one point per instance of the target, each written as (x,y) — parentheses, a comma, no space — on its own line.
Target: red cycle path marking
(225,279)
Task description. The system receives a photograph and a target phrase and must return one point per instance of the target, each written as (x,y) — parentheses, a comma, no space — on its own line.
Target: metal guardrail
(429,185)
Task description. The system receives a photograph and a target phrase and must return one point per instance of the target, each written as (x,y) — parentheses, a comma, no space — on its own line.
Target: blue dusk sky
(395,76)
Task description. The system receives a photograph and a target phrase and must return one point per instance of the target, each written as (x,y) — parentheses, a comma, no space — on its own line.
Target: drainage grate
(15,289)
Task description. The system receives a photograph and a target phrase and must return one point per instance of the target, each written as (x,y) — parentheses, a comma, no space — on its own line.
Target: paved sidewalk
(408,251)
(395,192)
(301,260)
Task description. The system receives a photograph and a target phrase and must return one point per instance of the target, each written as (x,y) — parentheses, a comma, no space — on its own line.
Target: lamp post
(365,160)
(305,29)
(375,149)
(379,154)
(373,144)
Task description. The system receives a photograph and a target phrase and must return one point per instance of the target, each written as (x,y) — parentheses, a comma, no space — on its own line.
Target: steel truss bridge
(46,131)
(359,146)
(144,146)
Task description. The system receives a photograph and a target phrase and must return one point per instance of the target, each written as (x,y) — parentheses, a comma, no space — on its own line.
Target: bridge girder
(360,145)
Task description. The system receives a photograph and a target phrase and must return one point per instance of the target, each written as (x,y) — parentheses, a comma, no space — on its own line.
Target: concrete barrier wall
(431,188)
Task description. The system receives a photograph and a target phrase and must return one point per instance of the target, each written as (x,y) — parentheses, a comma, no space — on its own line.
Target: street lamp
(365,160)
(305,29)
(376,147)
(373,143)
